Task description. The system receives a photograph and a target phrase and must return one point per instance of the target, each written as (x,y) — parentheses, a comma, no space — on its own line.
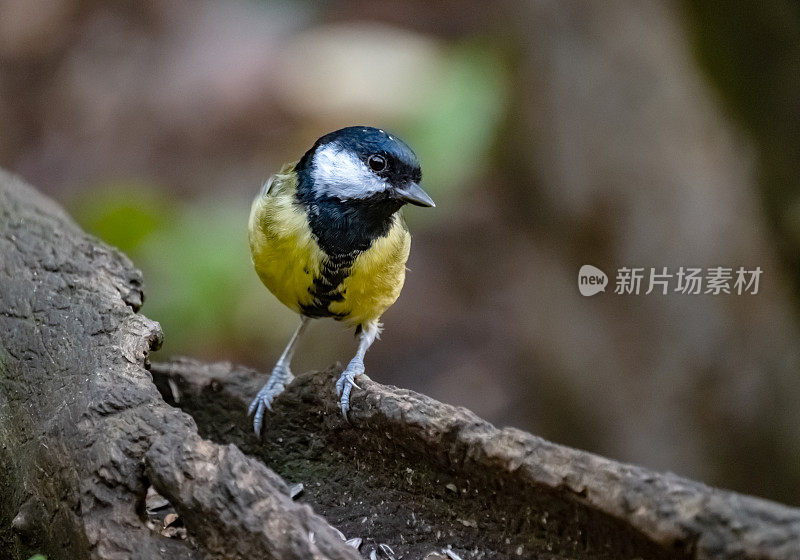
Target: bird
(327,238)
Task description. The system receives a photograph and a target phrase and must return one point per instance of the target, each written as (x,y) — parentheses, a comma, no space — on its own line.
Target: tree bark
(84,432)
(80,418)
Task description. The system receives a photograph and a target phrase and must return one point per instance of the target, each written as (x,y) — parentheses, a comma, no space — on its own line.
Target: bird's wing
(278,183)
(265,190)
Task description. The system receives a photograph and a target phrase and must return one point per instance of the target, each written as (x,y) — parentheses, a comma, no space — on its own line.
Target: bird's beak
(413,194)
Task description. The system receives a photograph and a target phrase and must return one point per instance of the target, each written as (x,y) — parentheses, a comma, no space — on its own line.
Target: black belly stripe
(327,287)
(343,229)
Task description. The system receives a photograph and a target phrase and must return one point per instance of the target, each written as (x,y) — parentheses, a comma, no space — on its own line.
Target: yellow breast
(285,255)
(287,258)
(376,278)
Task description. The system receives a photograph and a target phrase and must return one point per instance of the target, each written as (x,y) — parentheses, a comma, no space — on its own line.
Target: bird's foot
(280,378)
(346,383)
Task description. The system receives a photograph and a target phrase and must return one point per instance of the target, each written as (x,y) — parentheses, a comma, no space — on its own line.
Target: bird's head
(362,163)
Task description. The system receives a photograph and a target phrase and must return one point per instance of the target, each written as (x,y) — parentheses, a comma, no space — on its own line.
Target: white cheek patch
(342,174)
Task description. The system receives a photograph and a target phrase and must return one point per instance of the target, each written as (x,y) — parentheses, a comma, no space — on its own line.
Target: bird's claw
(280,378)
(345,385)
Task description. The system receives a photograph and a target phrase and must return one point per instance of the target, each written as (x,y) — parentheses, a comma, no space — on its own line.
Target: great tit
(327,239)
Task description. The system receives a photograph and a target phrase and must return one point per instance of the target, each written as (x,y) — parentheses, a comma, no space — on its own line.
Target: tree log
(85,432)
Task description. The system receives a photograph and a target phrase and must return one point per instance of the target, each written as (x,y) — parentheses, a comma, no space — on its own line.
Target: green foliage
(124,213)
(199,274)
(459,124)
(38,557)
(199,281)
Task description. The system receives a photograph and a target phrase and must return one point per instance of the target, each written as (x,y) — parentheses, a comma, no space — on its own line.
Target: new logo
(591,280)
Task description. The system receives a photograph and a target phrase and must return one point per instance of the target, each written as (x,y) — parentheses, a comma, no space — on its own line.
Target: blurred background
(552,134)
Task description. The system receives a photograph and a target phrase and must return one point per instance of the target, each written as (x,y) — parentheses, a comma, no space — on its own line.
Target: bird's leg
(345,383)
(277,382)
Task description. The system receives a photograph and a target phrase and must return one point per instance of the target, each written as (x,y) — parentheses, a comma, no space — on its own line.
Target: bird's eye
(377,162)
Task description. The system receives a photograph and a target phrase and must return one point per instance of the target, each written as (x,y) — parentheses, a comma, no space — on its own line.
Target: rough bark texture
(80,417)
(84,432)
(437,475)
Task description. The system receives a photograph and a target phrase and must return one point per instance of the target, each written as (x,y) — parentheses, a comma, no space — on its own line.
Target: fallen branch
(438,475)
(79,415)
(85,433)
